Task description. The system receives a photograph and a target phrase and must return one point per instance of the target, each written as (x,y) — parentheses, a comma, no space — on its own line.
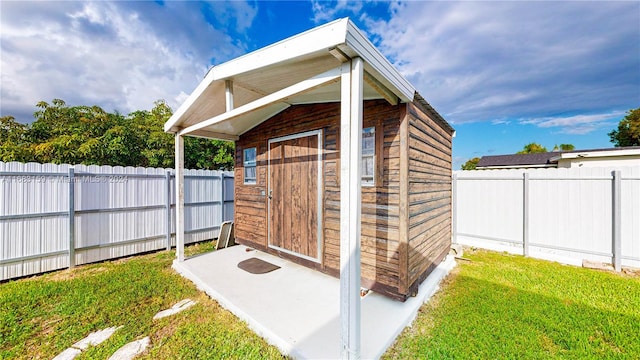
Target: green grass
(43,315)
(499,306)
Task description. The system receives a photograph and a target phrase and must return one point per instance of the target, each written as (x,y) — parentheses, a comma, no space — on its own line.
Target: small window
(250,166)
(368,156)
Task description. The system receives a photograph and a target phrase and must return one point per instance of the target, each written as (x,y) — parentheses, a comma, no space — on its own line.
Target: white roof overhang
(299,70)
(604,153)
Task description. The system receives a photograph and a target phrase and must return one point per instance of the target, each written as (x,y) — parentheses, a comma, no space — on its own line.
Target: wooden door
(294,194)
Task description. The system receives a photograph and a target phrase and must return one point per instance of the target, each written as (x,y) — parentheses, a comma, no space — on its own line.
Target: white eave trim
(202,86)
(595,154)
(311,41)
(278,96)
(356,40)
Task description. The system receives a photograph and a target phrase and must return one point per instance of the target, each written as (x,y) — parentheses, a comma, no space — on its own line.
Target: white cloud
(324,11)
(122,56)
(482,61)
(577,124)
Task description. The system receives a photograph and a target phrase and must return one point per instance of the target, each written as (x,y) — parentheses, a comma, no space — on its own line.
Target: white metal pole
(179,181)
(350,211)
(617,220)
(72,218)
(168,206)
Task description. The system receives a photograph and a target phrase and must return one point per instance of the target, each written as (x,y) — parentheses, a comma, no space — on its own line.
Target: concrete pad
(131,350)
(180,306)
(298,309)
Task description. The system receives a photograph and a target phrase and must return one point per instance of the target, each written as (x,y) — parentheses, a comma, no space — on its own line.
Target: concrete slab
(298,309)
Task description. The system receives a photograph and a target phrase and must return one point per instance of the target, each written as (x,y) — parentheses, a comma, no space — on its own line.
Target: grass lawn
(43,315)
(500,306)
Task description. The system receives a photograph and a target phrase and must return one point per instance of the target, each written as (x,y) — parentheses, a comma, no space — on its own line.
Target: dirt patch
(64,275)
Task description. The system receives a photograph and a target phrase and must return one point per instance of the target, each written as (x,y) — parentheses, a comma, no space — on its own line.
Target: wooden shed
(340,164)
(287,190)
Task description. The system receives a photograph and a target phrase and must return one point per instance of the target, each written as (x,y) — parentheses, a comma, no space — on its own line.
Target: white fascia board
(278,96)
(321,38)
(596,154)
(175,118)
(378,62)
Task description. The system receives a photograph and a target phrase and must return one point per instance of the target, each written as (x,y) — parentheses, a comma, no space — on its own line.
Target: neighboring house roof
(236,96)
(550,159)
(517,160)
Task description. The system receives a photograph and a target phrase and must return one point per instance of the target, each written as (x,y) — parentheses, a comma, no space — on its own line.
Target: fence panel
(116,211)
(565,215)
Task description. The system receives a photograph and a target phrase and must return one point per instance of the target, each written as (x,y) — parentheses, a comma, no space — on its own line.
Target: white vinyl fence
(566,215)
(58,216)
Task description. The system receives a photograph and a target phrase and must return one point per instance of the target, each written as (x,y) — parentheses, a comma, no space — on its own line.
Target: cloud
(483,61)
(577,124)
(119,55)
(325,11)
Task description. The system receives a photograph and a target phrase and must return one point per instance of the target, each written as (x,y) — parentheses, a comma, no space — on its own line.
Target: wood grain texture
(412,179)
(429,194)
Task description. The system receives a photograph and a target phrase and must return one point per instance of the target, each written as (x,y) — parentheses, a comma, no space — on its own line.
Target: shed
(340,164)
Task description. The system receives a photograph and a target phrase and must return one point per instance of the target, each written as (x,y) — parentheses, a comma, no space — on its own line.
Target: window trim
(249,164)
(371,180)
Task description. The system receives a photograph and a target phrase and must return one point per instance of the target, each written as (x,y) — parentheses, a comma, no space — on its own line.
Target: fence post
(617,220)
(454,207)
(72,219)
(525,214)
(221,197)
(168,206)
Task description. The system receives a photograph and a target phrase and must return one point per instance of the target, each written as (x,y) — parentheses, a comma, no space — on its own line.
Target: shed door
(295,169)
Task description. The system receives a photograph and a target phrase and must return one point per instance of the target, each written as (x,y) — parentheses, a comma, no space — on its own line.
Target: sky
(503,73)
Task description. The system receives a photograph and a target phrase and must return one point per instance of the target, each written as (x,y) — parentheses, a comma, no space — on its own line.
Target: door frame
(320,187)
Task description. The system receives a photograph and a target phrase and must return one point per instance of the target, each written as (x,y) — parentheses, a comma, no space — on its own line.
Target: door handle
(270,194)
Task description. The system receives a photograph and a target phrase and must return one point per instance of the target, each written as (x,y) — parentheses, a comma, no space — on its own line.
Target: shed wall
(429,192)
(380,203)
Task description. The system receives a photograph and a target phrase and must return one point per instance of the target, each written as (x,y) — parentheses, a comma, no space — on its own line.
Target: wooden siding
(406,216)
(429,194)
(380,203)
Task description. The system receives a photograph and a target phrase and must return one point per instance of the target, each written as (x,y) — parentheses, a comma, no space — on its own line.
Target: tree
(532,148)
(92,136)
(628,131)
(470,164)
(564,147)
(12,140)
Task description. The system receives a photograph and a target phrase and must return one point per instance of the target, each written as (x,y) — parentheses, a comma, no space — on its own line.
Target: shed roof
(302,69)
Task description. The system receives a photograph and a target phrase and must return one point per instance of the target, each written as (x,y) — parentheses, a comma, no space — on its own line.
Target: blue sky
(503,73)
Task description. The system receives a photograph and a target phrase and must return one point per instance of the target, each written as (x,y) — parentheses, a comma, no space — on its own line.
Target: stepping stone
(130,350)
(68,354)
(181,306)
(92,339)
(95,338)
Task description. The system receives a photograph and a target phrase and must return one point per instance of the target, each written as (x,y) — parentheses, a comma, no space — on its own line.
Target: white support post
(617,220)
(72,218)
(454,208)
(525,214)
(228,92)
(350,211)
(179,181)
(167,185)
